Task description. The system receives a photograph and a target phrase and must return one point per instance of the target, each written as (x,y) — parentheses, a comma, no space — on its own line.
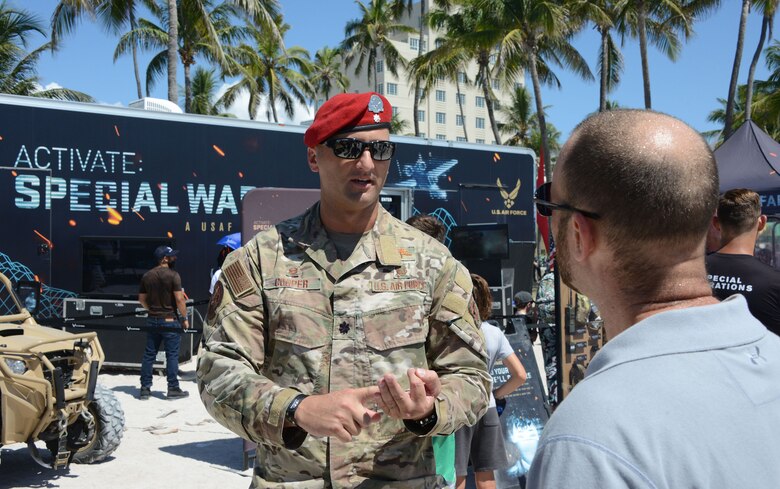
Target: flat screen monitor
(480,242)
(112,267)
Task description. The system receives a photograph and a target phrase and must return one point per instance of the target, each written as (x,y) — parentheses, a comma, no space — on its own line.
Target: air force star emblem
(376,106)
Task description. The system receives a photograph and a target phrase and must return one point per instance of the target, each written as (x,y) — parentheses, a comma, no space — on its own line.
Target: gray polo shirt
(684,399)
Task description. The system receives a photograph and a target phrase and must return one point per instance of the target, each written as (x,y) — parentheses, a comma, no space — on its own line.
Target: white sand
(166,444)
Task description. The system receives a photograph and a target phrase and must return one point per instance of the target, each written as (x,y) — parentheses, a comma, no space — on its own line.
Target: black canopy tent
(750,158)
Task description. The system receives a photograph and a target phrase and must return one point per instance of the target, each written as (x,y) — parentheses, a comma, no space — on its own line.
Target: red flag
(541,221)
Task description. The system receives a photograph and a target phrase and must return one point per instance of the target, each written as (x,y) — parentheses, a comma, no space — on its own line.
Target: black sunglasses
(351,148)
(545,207)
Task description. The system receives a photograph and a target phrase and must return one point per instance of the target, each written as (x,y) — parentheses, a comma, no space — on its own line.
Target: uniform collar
(378,245)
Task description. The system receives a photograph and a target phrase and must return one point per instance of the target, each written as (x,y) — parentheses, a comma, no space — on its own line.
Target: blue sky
(688,88)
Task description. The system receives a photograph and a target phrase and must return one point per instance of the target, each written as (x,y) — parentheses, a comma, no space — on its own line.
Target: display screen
(113,267)
(480,242)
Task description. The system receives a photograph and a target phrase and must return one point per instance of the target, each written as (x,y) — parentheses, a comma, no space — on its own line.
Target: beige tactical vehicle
(49,391)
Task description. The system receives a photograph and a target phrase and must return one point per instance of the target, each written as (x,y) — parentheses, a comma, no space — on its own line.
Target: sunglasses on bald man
(545,206)
(351,148)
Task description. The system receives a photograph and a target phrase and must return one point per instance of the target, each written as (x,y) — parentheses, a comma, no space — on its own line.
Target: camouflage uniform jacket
(288,317)
(545,299)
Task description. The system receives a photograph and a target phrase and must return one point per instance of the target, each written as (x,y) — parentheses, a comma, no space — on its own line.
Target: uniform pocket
(395,327)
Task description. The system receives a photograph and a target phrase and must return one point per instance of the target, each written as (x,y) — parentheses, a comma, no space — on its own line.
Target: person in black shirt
(733,269)
(161,295)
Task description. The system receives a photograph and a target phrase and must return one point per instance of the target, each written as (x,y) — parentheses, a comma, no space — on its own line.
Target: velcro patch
(238,278)
(216,300)
(293,283)
(455,303)
(397,285)
(407,253)
(463,279)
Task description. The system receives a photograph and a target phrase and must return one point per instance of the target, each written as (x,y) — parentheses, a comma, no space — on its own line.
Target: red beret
(347,112)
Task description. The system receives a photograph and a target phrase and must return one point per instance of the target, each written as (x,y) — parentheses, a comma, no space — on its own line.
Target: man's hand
(342,414)
(418,402)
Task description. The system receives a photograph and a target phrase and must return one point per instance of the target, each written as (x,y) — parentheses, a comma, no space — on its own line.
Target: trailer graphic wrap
(72,172)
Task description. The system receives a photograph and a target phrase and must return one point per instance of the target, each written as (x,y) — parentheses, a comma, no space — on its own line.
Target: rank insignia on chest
(293,272)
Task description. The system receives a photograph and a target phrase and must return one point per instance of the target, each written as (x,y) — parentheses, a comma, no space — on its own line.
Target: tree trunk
(187,88)
(604,69)
(643,53)
(727,129)
(765,23)
(173,44)
(483,66)
(540,116)
(460,106)
(272,100)
(135,55)
(417,81)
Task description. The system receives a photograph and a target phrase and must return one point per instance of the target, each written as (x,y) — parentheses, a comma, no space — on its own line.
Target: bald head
(652,178)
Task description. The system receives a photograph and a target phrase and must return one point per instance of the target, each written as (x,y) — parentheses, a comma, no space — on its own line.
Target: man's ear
(584,239)
(761,222)
(311,157)
(716,223)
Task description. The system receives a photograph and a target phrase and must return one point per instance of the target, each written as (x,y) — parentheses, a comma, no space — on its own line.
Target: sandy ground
(174,444)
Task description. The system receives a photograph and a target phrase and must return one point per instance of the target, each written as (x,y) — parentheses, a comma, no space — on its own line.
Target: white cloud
(240,108)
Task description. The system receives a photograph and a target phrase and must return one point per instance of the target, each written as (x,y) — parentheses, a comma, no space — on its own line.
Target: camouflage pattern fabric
(295,319)
(545,303)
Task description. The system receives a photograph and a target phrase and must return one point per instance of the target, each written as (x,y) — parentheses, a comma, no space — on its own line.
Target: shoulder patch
(463,279)
(238,278)
(216,299)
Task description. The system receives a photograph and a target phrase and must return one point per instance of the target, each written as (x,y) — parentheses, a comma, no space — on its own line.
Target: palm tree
(605,14)
(369,35)
(534,34)
(193,39)
(115,15)
(440,65)
(326,73)
(519,118)
(727,128)
(471,34)
(204,89)
(259,12)
(398,125)
(768,8)
(660,22)
(268,68)
(18,74)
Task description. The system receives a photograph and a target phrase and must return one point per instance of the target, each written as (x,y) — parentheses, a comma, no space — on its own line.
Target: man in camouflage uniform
(342,340)
(548,331)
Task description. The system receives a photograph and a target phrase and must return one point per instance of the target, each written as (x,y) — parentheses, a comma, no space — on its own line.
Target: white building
(439,113)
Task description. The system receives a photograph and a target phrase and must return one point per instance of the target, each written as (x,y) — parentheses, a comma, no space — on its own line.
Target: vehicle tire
(109,428)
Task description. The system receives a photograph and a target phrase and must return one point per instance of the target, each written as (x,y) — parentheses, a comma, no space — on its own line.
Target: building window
(492,59)
(440,118)
(392,89)
(414,43)
(496,85)
(461,98)
(461,139)
(380,88)
(420,116)
(440,78)
(480,122)
(459,120)
(479,101)
(380,66)
(480,141)
(441,137)
(420,94)
(438,43)
(422,134)
(441,96)
(461,77)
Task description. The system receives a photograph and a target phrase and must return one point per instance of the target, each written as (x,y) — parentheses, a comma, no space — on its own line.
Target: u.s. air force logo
(510,198)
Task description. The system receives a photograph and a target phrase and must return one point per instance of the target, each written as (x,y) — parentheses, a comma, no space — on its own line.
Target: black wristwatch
(289,415)
(422,426)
